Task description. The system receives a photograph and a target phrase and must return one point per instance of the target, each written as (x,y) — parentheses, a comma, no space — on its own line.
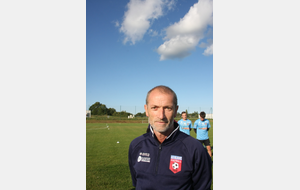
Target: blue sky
(133,46)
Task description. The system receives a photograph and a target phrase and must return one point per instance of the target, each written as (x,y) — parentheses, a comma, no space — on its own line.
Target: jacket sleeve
(202,175)
(130,161)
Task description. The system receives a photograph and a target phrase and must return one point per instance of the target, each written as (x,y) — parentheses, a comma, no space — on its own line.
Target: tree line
(101,109)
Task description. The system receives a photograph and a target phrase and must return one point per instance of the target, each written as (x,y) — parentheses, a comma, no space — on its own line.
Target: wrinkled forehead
(161,97)
(160,90)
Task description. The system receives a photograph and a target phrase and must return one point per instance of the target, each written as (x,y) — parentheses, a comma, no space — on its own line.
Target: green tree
(98,109)
(195,114)
(103,109)
(122,114)
(110,111)
(94,108)
(139,114)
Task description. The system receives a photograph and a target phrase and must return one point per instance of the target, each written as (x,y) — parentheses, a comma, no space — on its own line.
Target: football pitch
(107,153)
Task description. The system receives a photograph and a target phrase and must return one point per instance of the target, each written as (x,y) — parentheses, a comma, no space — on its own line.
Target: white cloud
(117,24)
(170,4)
(208,50)
(177,47)
(203,45)
(138,16)
(183,36)
(209,47)
(153,32)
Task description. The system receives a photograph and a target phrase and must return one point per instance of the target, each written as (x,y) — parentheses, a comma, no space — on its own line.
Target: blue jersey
(201,127)
(185,126)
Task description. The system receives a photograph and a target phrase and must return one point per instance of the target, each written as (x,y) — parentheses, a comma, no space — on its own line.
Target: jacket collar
(171,136)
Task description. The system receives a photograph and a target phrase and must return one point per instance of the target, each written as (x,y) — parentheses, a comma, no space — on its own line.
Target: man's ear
(146,110)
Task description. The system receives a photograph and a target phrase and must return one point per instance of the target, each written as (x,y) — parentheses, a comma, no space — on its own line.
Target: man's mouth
(161,121)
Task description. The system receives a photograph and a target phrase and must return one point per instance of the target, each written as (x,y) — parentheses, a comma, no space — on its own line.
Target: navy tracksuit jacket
(180,162)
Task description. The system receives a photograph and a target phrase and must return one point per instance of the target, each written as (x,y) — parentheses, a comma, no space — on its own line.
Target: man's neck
(162,136)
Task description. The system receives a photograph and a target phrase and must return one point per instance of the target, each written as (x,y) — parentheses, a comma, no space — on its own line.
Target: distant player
(185,125)
(201,127)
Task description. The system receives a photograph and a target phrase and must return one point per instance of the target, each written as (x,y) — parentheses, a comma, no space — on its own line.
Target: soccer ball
(175,165)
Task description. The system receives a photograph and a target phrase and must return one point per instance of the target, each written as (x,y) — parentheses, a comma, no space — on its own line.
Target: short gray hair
(163,89)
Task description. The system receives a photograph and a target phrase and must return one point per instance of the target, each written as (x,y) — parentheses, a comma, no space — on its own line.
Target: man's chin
(162,129)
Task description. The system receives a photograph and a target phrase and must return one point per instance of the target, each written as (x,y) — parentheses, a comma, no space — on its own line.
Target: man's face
(184,116)
(160,110)
(201,118)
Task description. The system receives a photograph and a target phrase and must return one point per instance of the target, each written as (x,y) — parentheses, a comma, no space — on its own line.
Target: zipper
(159,150)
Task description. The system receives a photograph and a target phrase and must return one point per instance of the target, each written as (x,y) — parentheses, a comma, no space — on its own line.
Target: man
(185,125)
(201,127)
(166,158)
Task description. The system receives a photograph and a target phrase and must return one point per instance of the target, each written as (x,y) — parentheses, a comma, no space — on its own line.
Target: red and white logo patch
(175,163)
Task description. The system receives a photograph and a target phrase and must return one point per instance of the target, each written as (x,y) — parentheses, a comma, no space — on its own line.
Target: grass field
(107,160)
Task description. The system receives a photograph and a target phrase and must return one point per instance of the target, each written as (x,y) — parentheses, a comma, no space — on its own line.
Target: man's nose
(161,113)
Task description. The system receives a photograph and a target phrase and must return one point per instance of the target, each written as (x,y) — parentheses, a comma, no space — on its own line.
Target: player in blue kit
(185,125)
(201,127)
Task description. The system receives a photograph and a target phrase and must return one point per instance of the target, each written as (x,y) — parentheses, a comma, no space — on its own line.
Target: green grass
(106,160)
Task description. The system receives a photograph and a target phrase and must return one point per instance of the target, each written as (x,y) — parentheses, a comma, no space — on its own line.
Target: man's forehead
(158,101)
(158,95)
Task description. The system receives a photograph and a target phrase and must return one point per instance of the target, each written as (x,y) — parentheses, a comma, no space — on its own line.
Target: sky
(135,45)
(55,60)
